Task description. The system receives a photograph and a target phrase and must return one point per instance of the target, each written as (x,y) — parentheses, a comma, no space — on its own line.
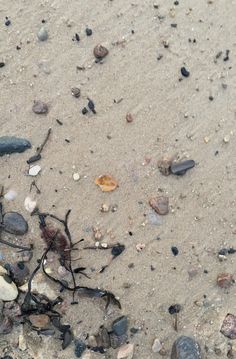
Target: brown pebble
(129,117)
(40,107)
(160,204)
(228,328)
(39,320)
(225,280)
(100,51)
(164,165)
(75,91)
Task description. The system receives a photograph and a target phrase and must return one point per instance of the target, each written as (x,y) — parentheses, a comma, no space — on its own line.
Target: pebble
(104,208)
(40,107)
(228,328)
(160,205)
(164,165)
(154,218)
(8,289)
(75,91)
(42,34)
(129,118)
(6,325)
(100,51)
(226,139)
(186,348)
(76,177)
(120,325)
(157,346)
(29,204)
(174,250)
(39,320)
(14,223)
(10,195)
(126,352)
(180,168)
(34,170)
(2,64)
(19,272)
(225,280)
(88,31)
(118,340)
(184,72)
(79,348)
(11,144)
(140,247)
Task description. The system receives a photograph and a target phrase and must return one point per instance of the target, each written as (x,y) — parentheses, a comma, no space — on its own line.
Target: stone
(19,272)
(100,52)
(34,170)
(103,338)
(180,168)
(40,285)
(42,34)
(80,347)
(153,218)
(12,310)
(118,340)
(126,352)
(186,348)
(10,195)
(11,144)
(14,223)
(6,325)
(22,342)
(75,91)
(120,325)
(164,165)
(160,205)
(76,177)
(129,117)
(29,204)
(225,280)
(8,289)
(156,346)
(184,72)
(39,320)
(228,328)
(40,107)
(226,139)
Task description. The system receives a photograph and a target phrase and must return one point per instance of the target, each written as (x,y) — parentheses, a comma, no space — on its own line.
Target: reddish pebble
(129,117)
(225,280)
(100,51)
(160,204)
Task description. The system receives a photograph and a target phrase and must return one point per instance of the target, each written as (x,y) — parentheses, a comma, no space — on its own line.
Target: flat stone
(120,325)
(118,340)
(34,170)
(180,168)
(19,272)
(14,223)
(186,348)
(42,34)
(39,320)
(228,328)
(8,289)
(164,165)
(126,352)
(160,205)
(29,204)
(11,144)
(40,107)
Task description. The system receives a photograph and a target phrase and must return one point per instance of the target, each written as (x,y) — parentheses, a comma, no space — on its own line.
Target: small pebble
(118,340)
(157,346)
(186,348)
(160,205)
(10,195)
(104,208)
(175,250)
(79,348)
(228,328)
(34,170)
(129,117)
(140,247)
(84,111)
(120,325)
(11,144)
(14,223)
(75,91)
(226,139)
(184,72)
(6,325)
(180,168)
(77,37)
(39,320)
(88,31)
(164,165)
(2,64)
(8,22)
(8,289)
(40,107)
(225,280)
(126,351)
(29,204)
(42,34)
(76,177)
(100,52)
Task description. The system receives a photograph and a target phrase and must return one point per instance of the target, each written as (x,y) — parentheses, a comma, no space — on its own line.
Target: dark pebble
(117,250)
(184,72)
(11,144)
(91,106)
(117,340)
(180,168)
(14,223)
(174,309)
(84,111)
(100,52)
(186,348)
(211,98)
(7,357)
(8,22)
(19,272)
(120,325)
(175,250)
(2,64)
(176,3)
(88,31)
(40,107)
(134,330)
(34,159)
(79,347)
(77,38)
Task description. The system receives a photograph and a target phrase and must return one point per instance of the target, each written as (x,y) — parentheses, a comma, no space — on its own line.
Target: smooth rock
(10,195)
(160,205)
(75,91)
(120,325)
(40,107)
(126,352)
(180,168)
(42,34)
(40,285)
(11,144)
(228,328)
(118,340)
(80,347)
(39,320)
(8,289)
(19,272)
(157,346)
(34,170)
(29,204)
(14,223)
(186,348)
(22,342)
(100,52)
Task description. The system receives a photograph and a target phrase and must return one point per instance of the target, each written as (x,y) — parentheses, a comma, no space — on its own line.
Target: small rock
(160,204)
(40,107)
(14,223)
(22,342)
(225,280)
(39,320)
(88,31)
(34,170)
(105,208)
(103,338)
(184,72)
(226,139)
(29,204)
(120,325)
(10,195)
(180,168)
(100,52)
(75,91)
(62,271)
(76,177)
(6,325)
(11,144)
(19,272)
(186,348)
(140,247)
(79,348)
(117,341)
(8,289)
(228,328)
(157,346)
(164,165)
(42,34)
(126,352)
(129,118)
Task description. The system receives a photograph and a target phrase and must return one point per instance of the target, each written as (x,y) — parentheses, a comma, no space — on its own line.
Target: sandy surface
(170,117)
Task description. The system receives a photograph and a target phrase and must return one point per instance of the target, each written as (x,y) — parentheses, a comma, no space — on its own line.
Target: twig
(33,184)
(44,142)
(15,245)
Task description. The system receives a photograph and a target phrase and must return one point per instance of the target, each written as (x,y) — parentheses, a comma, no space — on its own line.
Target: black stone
(175,250)
(34,159)
(88,31)
(186,348)
(8,22)
(79,347)
(174,309)
(118,340)
(84,111)
(2,64)
(91,106)
(14,223)
(117,249)
(11,144)
(77,37)
(181,167)
(184,72)
(120,325)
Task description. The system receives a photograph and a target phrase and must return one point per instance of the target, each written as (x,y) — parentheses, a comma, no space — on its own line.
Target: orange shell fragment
(107,183)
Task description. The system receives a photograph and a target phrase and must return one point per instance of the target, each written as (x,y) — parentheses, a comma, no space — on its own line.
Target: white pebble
(34,170)
(157,346)
(226,139)
(10,195)
(76,176)
(30,204)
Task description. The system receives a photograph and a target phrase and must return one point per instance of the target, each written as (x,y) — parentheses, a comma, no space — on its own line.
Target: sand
(171,117)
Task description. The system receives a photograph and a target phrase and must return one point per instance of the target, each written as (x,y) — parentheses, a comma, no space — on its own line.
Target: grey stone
(11,144)
(118,340)
(154,218)
(14,223)
(42,34)
(40,107)
(186,348)
(120,325)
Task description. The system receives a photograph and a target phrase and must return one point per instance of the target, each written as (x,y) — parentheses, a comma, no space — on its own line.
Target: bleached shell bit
(34,170)
(30,205)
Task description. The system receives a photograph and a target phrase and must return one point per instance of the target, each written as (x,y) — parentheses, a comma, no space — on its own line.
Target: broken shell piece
(34,170)
(30,205)
(10,195)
